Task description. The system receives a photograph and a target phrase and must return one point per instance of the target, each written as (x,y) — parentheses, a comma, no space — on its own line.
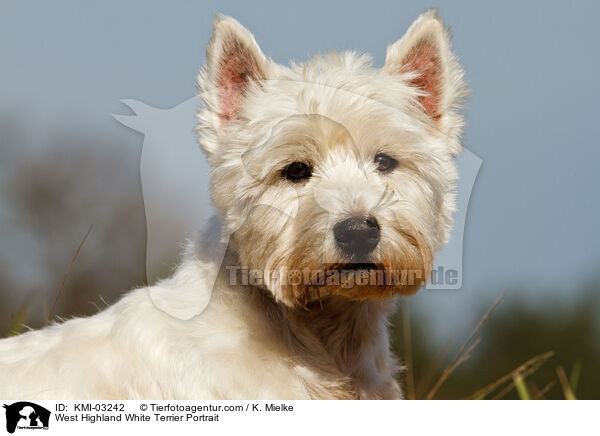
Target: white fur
(133,350)
(336,112)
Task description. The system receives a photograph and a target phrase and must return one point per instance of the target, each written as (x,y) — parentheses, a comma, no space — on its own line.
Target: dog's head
(333,176)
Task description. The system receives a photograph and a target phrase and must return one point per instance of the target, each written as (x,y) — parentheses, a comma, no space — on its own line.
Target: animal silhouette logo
(26,415)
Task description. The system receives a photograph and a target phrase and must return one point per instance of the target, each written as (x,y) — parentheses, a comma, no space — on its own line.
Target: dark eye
(297,172)
(385,163)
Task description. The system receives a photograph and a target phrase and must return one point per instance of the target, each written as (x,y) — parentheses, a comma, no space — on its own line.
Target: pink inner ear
(424,60)
(236,68)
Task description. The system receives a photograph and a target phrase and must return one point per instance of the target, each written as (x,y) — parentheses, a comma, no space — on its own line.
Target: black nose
(357,235)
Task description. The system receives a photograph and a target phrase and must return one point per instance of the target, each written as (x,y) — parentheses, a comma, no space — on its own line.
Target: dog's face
(334,177)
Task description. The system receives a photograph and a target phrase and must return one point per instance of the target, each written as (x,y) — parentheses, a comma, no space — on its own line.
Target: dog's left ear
(424,57)
(234,63)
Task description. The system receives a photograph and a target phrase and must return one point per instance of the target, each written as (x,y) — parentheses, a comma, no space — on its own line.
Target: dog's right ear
(234,63)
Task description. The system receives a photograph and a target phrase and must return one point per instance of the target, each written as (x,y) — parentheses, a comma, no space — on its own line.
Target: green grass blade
(17,325)
(521,387)
(574,379)
(562,377)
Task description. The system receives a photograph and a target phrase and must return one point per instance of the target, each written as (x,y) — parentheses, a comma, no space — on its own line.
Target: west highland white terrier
(334,181)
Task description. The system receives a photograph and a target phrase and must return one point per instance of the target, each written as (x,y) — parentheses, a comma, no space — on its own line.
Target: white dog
(335,182)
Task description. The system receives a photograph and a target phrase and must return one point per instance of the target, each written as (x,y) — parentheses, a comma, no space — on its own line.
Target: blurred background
(531,234)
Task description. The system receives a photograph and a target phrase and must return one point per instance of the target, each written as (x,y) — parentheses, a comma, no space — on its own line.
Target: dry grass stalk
(544,390)
(66,275)
(465,351)
(524,369)
(526,373)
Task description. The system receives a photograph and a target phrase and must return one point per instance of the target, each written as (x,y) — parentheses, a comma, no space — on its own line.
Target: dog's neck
(349,331)
(342,340)
(336,338)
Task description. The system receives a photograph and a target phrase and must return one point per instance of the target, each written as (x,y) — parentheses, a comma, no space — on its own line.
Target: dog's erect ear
(233,62)
(424,53)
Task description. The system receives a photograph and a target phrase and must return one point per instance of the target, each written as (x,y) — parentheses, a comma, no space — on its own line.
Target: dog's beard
(383,275)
